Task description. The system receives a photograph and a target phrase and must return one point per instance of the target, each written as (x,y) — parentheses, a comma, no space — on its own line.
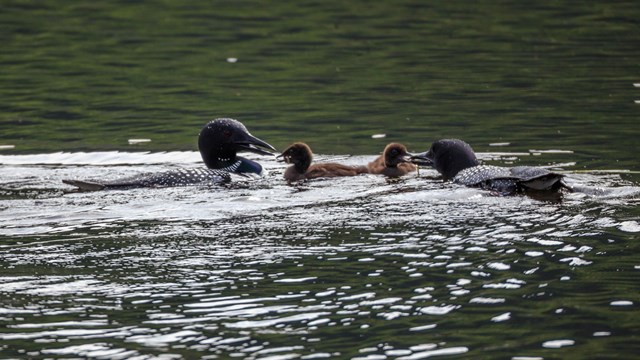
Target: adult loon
(394,162)
(218,142)
(299,154)
(456,161)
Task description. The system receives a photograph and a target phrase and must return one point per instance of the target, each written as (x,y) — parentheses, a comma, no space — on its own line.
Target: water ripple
(242,271)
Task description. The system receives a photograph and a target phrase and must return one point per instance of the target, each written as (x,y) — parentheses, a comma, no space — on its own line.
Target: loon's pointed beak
(423,159)
(251,143)
(406,157)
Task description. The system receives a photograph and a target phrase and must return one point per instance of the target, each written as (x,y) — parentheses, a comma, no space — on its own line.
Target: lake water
(344,268)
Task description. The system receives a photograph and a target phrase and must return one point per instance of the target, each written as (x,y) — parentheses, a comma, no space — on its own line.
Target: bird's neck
(219,157)
(246,166)
(302,165)
(456,164)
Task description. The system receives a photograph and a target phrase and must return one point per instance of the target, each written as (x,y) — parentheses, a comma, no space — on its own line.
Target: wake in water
(31,187)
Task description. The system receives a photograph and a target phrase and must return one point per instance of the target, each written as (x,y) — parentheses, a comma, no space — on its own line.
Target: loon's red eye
(227,133)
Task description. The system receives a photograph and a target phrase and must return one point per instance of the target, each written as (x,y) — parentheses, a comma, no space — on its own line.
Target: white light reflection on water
(256,266)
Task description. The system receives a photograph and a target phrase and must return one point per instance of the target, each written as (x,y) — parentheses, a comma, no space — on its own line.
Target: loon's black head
(299,154)
(222,138)
(395,154)
(448,156)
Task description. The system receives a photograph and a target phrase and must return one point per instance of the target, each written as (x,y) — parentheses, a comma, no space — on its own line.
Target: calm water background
(345,268)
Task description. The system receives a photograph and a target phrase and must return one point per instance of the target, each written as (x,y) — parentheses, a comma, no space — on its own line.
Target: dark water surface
(345,268)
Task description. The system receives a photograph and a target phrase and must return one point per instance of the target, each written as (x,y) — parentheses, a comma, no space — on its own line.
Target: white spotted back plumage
(179,177)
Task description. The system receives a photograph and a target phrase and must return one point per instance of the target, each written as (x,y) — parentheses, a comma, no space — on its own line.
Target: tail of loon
(85,185)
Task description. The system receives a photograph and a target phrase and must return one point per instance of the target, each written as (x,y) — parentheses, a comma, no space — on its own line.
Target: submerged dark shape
(456,161)
(394,162)
(300,155)
(219,142)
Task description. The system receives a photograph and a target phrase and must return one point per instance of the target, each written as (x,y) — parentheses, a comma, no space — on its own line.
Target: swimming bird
(394,162)
(299,154)
(456,161)
(219,142)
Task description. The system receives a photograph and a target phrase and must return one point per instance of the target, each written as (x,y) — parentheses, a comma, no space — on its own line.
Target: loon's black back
(218,142)
(180,177)
(507,181)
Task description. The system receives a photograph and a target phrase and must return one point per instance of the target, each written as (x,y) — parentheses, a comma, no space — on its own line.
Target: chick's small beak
(282,158)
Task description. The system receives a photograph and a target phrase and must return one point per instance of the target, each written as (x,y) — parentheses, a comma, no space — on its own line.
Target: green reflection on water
(89,76)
